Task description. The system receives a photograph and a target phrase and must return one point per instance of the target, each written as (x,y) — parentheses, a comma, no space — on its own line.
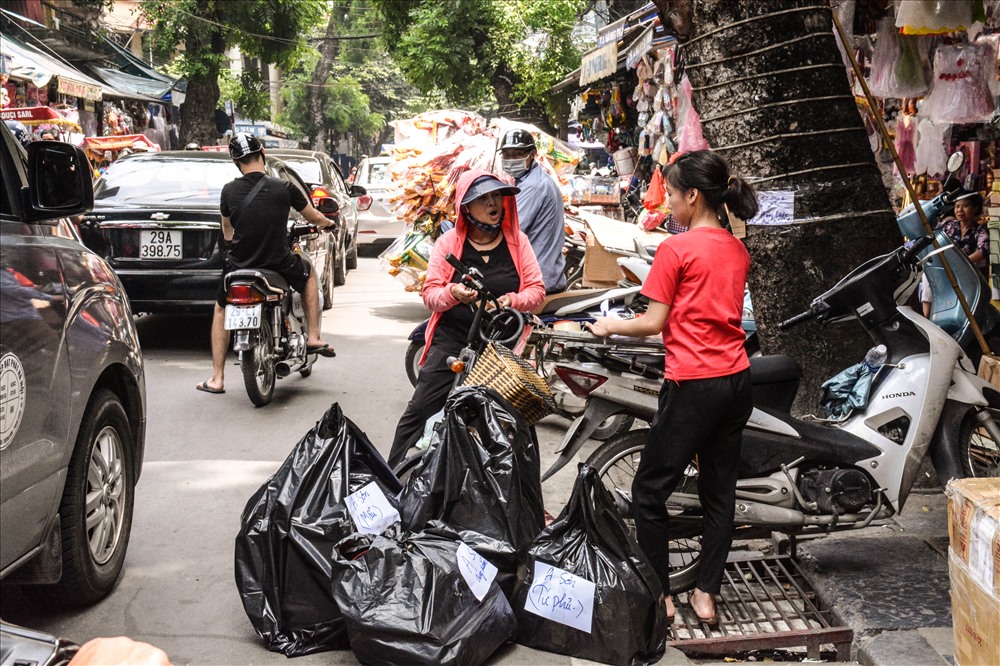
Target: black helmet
(243,144)
(195,146)
(518,138)
(19,131)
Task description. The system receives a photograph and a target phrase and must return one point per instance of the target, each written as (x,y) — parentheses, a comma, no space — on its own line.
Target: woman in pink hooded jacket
(487,237)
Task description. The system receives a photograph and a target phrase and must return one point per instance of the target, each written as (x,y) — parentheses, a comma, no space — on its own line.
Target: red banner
(98,144)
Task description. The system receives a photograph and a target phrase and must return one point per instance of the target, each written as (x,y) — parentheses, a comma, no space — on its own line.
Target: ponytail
(709,174)
(741,199)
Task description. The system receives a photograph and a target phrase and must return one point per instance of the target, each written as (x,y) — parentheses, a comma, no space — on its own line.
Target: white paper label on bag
(370,510)
(476,570)
(562,597)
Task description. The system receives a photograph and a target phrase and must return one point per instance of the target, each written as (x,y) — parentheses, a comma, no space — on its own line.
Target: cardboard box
(975,618)
(974,569)
(600,262)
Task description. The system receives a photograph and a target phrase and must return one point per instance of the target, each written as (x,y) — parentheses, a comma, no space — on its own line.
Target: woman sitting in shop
(968,234)
(486,237)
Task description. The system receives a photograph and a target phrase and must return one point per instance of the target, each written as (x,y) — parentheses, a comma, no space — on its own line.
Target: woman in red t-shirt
(695,290)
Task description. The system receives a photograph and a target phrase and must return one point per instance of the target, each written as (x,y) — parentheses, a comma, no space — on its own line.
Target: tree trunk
(774,100)
(328,48)
(202,97)
(503,88)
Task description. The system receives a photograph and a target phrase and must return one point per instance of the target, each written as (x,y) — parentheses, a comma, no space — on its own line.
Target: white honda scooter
(798,476)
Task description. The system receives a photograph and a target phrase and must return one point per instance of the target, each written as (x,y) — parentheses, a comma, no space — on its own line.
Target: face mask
(515,168)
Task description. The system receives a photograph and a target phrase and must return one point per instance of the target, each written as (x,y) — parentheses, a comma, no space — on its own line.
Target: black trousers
(433,386)
(703,418)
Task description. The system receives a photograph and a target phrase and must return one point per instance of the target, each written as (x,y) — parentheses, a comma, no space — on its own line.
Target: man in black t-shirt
(256,236)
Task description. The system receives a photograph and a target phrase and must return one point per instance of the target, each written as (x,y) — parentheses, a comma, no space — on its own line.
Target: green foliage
(465,48)
(270,30)
(248,93)
(346,109)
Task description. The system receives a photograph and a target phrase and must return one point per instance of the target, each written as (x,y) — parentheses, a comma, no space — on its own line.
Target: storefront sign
(31,114)
(639,47)
(78,89)
(776,207)
(611,33)
(601,62)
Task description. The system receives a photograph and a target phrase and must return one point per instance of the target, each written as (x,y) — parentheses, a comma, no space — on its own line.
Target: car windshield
(158,181)
(308,169)
(378,173)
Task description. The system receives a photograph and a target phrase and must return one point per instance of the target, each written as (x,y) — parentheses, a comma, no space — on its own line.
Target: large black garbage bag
(406,601)
(589,539)
(289,529)
(482,477)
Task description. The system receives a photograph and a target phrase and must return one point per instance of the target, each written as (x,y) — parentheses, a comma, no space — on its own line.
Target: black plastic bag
(482,478)
(288,531)
(405,601)
(590,540)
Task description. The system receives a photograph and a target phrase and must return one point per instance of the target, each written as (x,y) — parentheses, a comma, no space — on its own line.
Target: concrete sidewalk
(890,584)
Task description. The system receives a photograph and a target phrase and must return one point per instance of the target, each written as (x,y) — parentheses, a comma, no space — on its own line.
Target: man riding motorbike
(255,235)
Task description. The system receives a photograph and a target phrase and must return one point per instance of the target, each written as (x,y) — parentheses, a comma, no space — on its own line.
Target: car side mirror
(358,191)
(328,206)
(59,181)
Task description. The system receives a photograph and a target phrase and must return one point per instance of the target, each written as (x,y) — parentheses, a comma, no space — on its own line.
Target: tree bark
(328,49)
(202,96)
(774,100)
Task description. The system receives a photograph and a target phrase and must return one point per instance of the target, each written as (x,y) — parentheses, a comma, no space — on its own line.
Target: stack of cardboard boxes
(974,569)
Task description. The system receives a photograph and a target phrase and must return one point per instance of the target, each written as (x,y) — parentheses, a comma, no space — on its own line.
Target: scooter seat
(273,280)
(775,381)
(774,368)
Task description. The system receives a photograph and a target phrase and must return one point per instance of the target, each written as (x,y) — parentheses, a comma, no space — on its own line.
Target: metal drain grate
(765,603)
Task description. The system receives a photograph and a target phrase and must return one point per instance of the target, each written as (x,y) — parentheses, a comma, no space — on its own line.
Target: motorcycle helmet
(517,139)
(19,131)
(243,144)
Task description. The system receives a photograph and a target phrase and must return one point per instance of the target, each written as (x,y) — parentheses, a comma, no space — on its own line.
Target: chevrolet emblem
(159,216)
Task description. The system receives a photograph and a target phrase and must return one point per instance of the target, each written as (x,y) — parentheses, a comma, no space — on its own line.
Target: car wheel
(96,509)
(340,267)
(327,283)
(352,254)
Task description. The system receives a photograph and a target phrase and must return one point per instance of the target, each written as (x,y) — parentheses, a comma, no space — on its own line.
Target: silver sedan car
(377,225)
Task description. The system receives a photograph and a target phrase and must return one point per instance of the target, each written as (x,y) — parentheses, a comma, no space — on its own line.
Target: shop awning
(136,85)
(37,115)
(40,68)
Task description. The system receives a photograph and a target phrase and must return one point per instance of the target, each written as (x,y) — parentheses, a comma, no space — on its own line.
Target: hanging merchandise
(933,17)
(586,590)
(911,75)
(884,60)
(931,155)
(991,68)
(420,598)
(689,136)
(906,134)
(960,93)
(288,530)
(481,477)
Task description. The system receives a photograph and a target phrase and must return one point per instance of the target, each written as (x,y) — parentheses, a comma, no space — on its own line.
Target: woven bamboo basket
(514,379)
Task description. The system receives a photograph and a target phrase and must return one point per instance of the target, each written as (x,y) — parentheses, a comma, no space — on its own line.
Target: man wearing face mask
(539,206)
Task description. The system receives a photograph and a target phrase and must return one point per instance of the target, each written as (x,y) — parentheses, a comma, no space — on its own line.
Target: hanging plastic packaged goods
(931,153)
(288,531)
(960,93)
(586,590)
(481,477)
(420,598)
(884,60)
(933,17)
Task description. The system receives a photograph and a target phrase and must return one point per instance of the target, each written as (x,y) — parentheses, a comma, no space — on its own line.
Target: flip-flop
(208,389)
(323,350)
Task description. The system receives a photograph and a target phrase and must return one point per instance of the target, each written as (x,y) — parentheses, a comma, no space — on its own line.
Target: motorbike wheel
(980,454)
(410,463)
(258,367)
(616,462)
(327,283)
(413,354)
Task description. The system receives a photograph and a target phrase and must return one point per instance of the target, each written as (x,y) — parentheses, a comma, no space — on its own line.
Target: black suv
(72,388)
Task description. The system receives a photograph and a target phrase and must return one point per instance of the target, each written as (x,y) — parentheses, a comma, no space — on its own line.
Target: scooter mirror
(955,161)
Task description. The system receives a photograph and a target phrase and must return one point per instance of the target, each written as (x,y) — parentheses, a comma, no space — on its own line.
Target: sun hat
(486,184)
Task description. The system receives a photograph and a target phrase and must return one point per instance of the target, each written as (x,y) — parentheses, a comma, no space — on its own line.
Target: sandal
(713,619)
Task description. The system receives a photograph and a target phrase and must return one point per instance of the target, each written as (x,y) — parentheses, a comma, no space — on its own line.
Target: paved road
(206,455)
